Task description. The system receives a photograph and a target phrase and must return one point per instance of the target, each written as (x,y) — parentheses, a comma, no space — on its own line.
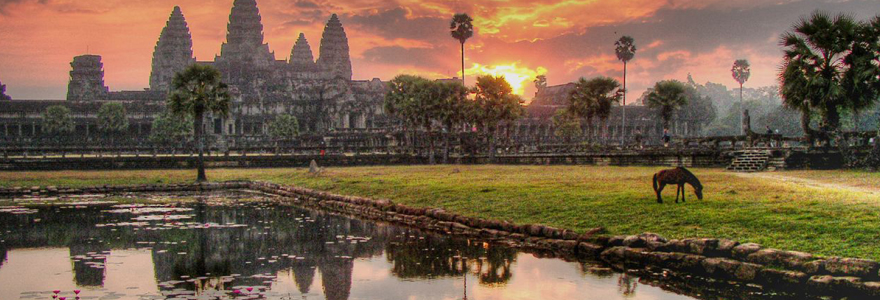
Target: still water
(267,250)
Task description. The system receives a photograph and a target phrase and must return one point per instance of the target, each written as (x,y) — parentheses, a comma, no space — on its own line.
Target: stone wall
(256,160)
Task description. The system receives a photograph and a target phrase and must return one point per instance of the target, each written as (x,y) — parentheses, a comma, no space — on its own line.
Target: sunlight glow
(518,77)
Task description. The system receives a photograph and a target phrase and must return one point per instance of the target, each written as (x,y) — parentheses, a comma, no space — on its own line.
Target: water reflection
(278,252)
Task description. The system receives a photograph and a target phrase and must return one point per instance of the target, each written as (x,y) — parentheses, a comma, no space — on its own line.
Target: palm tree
(198,90)
(594,98)
(462,29)
(626,49)
(741,72)
(829,66)
(667,96)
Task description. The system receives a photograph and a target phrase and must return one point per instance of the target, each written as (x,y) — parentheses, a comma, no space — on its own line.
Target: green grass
(774,212)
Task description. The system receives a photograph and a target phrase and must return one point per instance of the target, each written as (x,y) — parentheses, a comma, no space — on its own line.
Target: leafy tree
(3,95)
(593,99)
(495,104)
(400,100)
(57,120)
(462,29)
(453,109)
(171,129)
(741,71)
(112,118)
(566,124)
(667,97)
(699,108)
(284,127)
(830,66)
(625,49)
(198,90)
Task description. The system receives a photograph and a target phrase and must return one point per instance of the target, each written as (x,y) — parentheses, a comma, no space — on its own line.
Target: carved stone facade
(334,59)
(173,52)
(321,94)
(86,79)
(3,95)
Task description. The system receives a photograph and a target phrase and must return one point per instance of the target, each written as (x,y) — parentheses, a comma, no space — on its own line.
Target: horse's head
(699,192)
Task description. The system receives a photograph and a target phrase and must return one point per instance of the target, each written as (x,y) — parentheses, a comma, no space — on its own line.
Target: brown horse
(678,176)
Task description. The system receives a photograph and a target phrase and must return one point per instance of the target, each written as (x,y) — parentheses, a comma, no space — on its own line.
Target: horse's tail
(655,183)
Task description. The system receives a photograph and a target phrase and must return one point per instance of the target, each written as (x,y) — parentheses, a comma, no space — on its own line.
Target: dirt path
(809,182)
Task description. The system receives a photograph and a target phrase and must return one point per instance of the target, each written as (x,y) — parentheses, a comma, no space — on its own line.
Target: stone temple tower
(173,52)
(3,95)
(244,36)
(301,58)
(334,60)
(86,79)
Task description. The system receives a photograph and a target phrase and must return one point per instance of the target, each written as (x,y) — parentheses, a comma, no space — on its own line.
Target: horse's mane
(691,175)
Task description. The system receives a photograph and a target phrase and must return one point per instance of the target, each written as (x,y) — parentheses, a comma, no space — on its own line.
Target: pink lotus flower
(56,291)
(249,289)
(76,292)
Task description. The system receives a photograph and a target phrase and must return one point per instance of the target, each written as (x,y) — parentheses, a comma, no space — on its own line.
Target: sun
(518,77)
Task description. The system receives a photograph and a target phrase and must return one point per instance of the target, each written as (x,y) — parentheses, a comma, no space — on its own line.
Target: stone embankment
(718,259)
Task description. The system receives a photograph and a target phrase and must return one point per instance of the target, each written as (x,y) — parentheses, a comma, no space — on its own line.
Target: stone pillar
(746,122)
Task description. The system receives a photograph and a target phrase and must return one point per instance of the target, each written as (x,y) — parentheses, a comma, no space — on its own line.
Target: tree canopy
(57,120)
(666,97)
(171,129)
(112,118)
(284,127)
(830,65)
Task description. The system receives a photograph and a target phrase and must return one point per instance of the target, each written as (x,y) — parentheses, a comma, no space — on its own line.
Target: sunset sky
(565,39)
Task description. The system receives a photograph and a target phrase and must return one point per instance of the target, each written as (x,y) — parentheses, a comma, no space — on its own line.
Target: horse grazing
(678,176)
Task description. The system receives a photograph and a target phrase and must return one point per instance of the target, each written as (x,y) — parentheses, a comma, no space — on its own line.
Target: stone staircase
(755,161)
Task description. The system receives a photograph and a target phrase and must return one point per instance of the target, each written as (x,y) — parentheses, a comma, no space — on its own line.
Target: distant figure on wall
(769,131)
(666,138)
(638,138)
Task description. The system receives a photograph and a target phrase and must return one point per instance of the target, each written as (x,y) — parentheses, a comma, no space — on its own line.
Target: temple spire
(173,51)
(244,36)
(334,60)
(3,95)
(87,79)
(301,55)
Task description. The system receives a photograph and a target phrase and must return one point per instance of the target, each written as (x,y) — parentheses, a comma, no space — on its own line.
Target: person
(666,137)
(769,131)
(638,137)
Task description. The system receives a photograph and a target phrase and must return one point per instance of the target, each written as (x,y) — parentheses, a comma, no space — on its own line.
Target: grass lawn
(822,212)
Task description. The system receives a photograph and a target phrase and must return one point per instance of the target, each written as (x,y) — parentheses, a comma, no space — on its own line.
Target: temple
(320,92)
(3,95)
(173,52)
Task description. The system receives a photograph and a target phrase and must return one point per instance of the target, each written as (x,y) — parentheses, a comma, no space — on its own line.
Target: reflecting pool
(269,250)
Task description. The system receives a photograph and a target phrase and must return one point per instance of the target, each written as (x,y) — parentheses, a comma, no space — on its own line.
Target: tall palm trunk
(805,125)
(623,109)
(200,140)
(492,130)
(431,158)
(741,109)
(462,63)
(446,143)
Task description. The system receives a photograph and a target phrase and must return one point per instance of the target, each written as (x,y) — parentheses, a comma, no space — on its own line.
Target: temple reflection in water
(202,253)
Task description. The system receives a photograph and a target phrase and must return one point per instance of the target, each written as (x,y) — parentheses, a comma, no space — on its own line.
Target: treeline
(449,106)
